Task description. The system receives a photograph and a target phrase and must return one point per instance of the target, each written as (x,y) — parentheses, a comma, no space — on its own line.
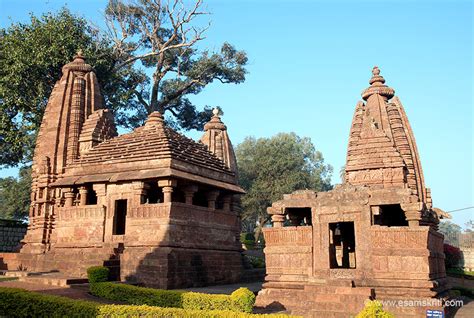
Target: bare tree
(162,36)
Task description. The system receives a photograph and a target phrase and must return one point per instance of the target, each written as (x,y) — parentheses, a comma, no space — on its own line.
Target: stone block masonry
(11,233)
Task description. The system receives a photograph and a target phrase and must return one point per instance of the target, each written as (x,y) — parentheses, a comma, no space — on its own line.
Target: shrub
(453,256)
(241,300)
(247,237)
(373,309)
(15,302)
(256,262)
(97,274)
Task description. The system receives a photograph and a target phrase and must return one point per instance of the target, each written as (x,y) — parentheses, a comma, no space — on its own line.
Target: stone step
(53,279)
(13,273)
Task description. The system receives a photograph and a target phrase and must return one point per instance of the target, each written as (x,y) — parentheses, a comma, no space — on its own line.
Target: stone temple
(375,236)
(156,207)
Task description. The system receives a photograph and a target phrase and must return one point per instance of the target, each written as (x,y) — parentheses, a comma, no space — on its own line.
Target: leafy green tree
(469,226)
(451,232)
(15,195)
(31,57)
(271,167)
(163,37)
(448,228)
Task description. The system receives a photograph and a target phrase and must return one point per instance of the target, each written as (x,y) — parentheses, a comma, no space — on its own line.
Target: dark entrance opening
(200,199)
(153,193)
(299,216)
(91,198)
(342,245)
(120,216)
(390,215)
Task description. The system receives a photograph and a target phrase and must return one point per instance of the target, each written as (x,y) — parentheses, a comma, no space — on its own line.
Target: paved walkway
(466,311)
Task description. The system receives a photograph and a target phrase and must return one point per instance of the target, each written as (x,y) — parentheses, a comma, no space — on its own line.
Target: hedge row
(15,302)
(107,311)
(241,300)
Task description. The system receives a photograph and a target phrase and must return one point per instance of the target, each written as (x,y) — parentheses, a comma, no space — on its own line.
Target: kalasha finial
(215,122)
(377,86)
(78,63)
(375,71)
(79,55)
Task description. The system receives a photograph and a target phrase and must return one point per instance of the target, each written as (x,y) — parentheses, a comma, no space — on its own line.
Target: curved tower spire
(382,150)
(74,121)
(218,142)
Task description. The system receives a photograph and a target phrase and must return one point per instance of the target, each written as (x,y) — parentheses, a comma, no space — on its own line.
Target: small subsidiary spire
(155,119)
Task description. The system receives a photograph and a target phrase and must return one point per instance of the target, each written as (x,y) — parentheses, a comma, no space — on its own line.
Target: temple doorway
(342,245)
(120,216)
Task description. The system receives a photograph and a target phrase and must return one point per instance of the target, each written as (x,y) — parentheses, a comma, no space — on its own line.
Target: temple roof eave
(135,175)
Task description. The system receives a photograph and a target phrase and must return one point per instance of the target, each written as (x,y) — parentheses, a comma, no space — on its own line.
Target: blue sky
(309,61)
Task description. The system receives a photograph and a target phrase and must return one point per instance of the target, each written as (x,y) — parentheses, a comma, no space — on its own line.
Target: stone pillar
(189,193)
(227,200)
(235,204)
(412,212)
(211,199)
(69,198)
(139,190)
(83,196)
(167,186)
(100,192)
(278,220)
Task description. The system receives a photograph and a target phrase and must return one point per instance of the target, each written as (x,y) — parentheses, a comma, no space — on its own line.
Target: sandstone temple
(375,236)
(158,208)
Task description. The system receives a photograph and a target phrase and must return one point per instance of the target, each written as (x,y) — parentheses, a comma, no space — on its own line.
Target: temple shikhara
(375,236)
(158,208)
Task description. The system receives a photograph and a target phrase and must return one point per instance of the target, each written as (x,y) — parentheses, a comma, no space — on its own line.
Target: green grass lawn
(6,279)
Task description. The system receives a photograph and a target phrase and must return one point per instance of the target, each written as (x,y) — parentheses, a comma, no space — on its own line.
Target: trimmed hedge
(98,274)
(16,302)
(241,300)
(107,311)
(137,295)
